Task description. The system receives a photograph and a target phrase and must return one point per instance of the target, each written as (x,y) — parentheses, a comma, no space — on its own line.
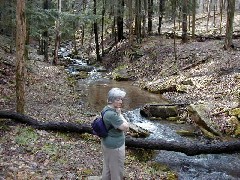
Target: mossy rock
(200,115)
(237,131)
(234,126)
(235,112)
(174,118)
(159,111)
(186,133)
(120,74)
(82,75)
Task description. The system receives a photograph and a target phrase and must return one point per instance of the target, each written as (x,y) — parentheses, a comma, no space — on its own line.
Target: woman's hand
(119,111)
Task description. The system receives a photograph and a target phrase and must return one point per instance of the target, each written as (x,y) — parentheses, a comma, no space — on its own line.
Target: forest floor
(26,153)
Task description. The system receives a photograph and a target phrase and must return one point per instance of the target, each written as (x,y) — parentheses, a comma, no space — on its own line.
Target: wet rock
(233,127)
(160,111)
(186,133)
(81,75)
(137,131)
(200,114)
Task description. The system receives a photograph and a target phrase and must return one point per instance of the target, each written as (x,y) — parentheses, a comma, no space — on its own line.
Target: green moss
(235,112)
(237,131)
(176,118)
(3,126)
(50,149)
(120,73)
(71,81)
(171,176)
(79,121)
(160,167)
(86,171)
(162,170)
(207,133)
(185,133)
(82,75)
(143,155)
(26,136)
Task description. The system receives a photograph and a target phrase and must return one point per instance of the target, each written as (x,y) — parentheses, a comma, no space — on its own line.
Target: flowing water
(210,166)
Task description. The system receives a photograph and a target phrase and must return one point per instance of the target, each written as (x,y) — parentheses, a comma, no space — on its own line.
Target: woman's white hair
(115,93)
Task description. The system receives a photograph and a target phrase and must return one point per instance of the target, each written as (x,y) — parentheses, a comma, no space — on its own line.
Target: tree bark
(20,55)
(45,34)
(187,147)
(130,21)
(193,18)
(120,20)
(184,21)
(150,16)
(58,36)
(138,20)
(161,13)
(229,27)
(95,29)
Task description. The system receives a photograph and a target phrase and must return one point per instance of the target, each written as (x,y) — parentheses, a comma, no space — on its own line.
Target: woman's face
(117,103)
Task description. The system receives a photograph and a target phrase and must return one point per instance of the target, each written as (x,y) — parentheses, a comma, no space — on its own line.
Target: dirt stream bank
(34,154)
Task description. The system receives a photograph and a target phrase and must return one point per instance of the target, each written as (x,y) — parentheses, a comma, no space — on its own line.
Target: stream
(205,166)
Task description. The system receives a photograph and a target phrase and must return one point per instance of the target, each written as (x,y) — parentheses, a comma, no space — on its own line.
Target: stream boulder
(233,122)
(121,74)
(233,127)
(200,114)
(158,111)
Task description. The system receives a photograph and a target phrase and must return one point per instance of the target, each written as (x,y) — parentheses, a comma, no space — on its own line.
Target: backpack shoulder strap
(102,114)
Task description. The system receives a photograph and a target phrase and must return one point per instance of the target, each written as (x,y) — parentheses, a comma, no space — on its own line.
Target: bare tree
(184,21)
(209,3)
(130,20)
(45,33)
(221,15)
(57,39)
(229,27)
(161,13)
(150,16)
(193,17)
(95,29)
(20,58)
(138,20)
(120,10)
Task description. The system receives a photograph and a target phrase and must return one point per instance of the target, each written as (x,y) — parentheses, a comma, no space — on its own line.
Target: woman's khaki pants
(113,163)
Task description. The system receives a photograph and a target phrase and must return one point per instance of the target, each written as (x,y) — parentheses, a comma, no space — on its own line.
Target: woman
(113,146)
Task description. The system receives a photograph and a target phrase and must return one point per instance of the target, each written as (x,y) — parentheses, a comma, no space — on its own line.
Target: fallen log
(172,104)
(188,148)
(50,125)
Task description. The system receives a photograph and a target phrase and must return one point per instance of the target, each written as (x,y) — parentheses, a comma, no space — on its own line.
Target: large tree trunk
(45,34)
(130,21)
(189,148)
(20,58)
(57,38)
(138,20)
(95,29)
(150,16)
(161,13)
(184,21)
(193,18)
(229,27)
(120,20)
